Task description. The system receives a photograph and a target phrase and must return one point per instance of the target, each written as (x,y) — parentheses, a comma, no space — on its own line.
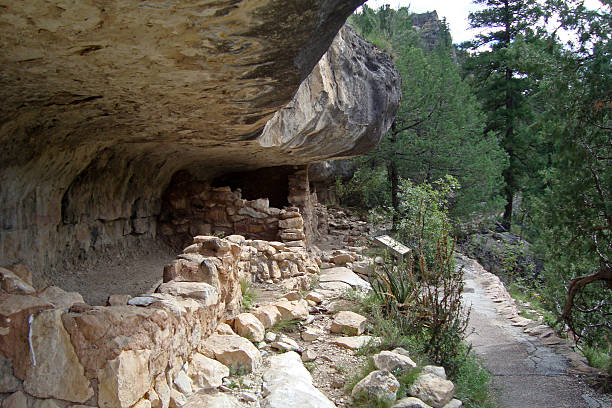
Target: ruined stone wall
(191,207)
(52,345)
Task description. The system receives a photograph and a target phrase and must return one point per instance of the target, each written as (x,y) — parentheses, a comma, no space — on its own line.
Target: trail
(527,373)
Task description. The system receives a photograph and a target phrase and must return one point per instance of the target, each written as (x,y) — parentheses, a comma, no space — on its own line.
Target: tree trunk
(394,179)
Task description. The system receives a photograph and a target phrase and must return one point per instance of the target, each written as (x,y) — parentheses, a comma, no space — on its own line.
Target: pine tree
(502,89)
(438,129)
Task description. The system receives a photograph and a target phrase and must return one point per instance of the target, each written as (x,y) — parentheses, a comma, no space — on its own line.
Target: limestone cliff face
(103,103)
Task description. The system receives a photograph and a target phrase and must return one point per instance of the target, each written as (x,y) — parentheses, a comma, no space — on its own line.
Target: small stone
(268,315)
(348,323)
(315,297)
(118,300)
(142,301)
(312,333)
(125,379)
(247,325)
(432,390)
(379,384)
(163,390)
(197,290)
(309,355)
(293,296)
(288,223)
(270,337)
(285,343)
(390,361)
(342,259)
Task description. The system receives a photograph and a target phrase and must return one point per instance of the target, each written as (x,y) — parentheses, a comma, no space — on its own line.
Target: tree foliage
(438,129)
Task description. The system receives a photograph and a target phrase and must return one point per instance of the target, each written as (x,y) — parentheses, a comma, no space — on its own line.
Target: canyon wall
(104,104)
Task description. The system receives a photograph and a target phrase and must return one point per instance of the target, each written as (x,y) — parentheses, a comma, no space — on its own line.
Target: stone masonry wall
(150,349)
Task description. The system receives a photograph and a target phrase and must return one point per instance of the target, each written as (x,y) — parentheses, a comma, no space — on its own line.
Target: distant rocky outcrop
(102,105)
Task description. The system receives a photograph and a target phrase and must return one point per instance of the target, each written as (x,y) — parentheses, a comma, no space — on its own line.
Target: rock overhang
(103,104)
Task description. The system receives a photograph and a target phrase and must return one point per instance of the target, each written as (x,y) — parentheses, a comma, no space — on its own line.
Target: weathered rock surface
(127,95)
(124,380)
(432,390)
(247,325)
(410,402)
(346,276)
(216,400)
(390,361)
(232,351)
(206,372)
(55,370)
(287,383)
(348,323)
(380,384)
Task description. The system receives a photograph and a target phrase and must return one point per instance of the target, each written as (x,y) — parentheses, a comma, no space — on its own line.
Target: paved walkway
(526,373)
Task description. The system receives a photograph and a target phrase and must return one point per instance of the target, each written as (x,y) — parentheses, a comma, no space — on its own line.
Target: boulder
(379,384)
(345,276)
(60,298)
(232,351)
(249,326)
(454,403)
(348,323)
(432,390)
(206,372)
(390,361)
(197,290)
(435,370)
(410,402)
(268,315)
(124,380)
(287,383)
(289,310)
(55,371)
